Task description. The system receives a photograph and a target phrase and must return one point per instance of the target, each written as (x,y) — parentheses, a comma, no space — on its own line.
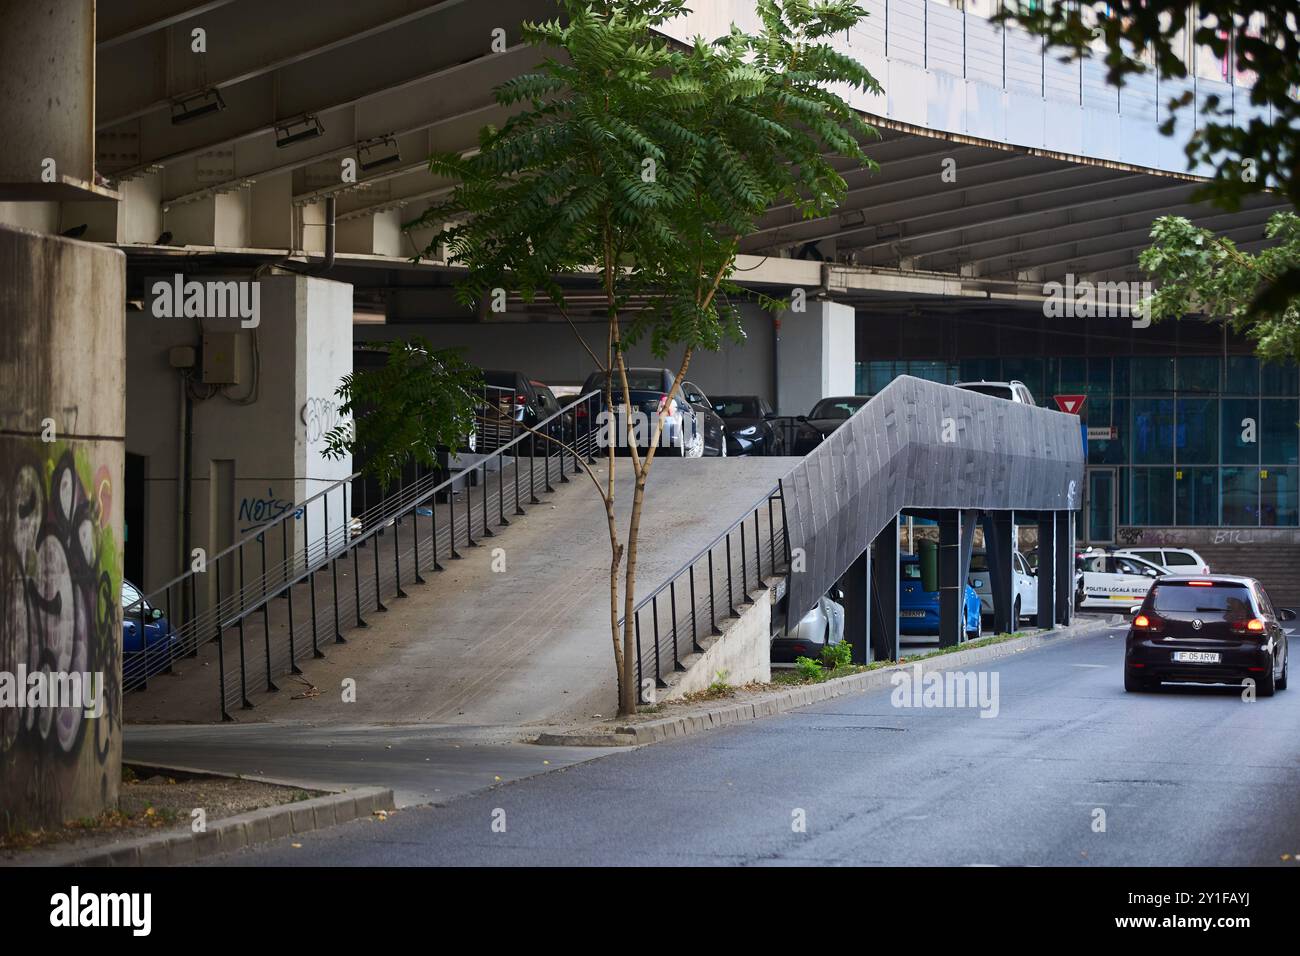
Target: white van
(1176,560)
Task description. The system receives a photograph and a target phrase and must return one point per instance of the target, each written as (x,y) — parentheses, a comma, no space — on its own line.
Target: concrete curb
(232,833)
(777,702)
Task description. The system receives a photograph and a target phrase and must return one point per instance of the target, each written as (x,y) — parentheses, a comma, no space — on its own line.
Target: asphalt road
(1184,777)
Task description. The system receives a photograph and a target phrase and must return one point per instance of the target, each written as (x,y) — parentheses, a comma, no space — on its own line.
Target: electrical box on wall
(220,358)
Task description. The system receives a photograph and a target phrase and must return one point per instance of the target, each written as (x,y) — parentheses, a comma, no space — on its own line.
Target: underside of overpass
(288,143)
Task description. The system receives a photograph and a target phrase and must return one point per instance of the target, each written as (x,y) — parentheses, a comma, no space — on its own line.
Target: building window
(1153,431)
(1242,375)
(1278,431)
(1198,431)
(1277,497)
(1241,496)
(1240,445)
(1152,498)
(1277,379)
(1197,496)
(1198,374)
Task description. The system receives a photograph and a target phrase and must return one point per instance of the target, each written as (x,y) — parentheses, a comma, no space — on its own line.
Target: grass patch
(809,671)
(717,690)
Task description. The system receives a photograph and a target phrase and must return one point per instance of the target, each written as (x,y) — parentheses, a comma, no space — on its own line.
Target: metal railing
(713,585)
(425,520)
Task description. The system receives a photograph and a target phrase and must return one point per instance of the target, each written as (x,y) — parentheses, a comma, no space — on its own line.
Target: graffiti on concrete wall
(61,615)
(258,510)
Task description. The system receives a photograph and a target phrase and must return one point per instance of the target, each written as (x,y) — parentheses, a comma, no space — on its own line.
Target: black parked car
(512,397)
(826,416)
(1215,629)
(691,429)
(749,425)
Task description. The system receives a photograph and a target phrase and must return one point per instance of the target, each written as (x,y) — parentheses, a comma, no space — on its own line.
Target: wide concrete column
(258,420)
(1064,567)
(856,584)
(62,422)
(884,583)
(1046,618)
(815,355)
(999,546)
(956,535)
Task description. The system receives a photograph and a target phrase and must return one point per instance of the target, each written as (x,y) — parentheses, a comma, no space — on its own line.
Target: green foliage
(1140,36)
(837,655)
(650,162)
(1199,271)
(419,401)
(808,668)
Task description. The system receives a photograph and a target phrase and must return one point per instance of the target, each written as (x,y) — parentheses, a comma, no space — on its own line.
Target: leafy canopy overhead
(647,162)
(1199,271)
(1261,38)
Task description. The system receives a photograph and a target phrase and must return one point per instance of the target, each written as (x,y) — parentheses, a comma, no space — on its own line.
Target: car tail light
(1147,622)
(1200,584)
(581,411)
(1252,626)
(799,648)
(671,404)
(521,399)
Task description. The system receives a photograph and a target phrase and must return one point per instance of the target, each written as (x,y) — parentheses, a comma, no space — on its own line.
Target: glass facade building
(1175,439)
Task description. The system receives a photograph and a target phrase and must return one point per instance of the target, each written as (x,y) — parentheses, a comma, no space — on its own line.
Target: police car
(1114,580)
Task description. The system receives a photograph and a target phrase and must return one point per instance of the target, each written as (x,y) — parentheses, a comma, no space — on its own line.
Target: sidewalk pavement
(428,763)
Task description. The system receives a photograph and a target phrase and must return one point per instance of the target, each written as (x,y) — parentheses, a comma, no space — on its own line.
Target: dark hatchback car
(749,425)
(690,429)
(826,416)
(1215,629)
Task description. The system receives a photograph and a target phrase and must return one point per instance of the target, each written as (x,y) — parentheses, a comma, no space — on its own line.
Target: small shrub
(837,655)
(808,668)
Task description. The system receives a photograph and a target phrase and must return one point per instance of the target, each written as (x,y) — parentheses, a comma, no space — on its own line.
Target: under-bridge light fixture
(298,130)
(194,105)
(377,153)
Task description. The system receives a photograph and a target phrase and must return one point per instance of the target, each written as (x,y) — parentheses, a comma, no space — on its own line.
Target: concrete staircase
(1275,564)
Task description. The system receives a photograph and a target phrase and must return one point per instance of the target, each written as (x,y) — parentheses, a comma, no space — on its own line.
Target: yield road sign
(1071,404)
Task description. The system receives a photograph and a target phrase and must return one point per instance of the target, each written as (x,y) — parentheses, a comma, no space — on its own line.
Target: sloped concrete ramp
(509,637)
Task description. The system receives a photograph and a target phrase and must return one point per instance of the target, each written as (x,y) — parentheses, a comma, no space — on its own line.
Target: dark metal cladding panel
(892,454)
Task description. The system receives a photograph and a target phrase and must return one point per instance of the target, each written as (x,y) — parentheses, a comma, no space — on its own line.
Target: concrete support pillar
(1046,570)
(1064,567)
(259,419)
(884,582)
(62,424)
(956,535)
(856,585)
(815,356)
(48,108)
(999,547)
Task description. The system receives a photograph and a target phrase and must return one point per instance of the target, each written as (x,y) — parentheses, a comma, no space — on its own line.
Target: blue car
(158,636)
(918,609)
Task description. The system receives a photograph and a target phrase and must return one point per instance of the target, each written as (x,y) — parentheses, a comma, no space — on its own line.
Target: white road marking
(1103,666)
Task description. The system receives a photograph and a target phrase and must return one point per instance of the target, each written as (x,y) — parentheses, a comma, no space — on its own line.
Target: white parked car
(1024,585)
(1011,391)
(1114,581)
(1174,560)
(823,626)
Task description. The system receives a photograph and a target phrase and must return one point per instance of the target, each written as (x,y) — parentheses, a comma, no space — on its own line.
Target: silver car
(823,626)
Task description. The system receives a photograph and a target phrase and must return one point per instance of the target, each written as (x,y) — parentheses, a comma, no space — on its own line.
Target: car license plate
(911,614)
(1195,657)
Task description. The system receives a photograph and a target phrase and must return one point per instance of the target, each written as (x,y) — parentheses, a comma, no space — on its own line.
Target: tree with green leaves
(418,401)
(640,164)
(1198,271)
(1258,37)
